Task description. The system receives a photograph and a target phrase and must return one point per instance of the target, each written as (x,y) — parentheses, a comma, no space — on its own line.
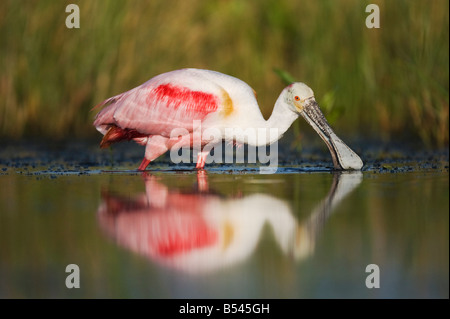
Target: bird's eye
(297,98)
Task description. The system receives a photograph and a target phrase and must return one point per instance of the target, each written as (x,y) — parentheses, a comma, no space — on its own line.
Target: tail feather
(116,134)
(108,101)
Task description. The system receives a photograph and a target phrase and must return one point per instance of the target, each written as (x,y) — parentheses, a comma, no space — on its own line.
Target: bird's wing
(157,108)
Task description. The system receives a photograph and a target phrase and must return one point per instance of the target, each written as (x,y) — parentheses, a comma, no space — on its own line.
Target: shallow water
(305,232)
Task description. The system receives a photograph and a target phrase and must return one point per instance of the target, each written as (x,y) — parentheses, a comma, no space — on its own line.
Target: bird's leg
(156,193)
(156,146)
(201,160)
(202,181)
(144,164)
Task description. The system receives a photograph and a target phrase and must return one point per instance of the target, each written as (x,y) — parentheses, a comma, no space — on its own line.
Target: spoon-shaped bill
(343,157)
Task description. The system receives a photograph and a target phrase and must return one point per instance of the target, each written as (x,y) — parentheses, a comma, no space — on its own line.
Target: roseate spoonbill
(202,231)
(149,113)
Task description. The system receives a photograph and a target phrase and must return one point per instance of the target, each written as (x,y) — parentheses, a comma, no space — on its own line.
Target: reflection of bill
(201,231)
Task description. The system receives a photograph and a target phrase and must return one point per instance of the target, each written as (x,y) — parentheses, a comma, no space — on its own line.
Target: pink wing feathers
(154,108)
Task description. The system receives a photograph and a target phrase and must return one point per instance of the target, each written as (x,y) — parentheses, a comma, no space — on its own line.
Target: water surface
(305,232)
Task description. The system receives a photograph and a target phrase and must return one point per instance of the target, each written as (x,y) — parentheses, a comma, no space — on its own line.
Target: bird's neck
(273,129)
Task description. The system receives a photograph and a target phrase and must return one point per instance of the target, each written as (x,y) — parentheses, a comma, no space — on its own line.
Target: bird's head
(300,99)
(298,95)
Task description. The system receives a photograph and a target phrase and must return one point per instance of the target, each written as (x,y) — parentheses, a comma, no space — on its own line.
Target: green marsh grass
(387,83)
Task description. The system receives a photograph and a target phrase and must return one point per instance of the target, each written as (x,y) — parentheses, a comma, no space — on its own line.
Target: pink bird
(151,112)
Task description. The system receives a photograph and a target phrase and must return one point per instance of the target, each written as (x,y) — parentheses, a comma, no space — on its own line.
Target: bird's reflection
(202,231)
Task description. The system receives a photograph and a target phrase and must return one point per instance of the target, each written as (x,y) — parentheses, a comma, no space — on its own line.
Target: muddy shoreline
(85,157)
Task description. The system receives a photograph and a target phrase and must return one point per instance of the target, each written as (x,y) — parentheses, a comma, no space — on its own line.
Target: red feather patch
(191,101)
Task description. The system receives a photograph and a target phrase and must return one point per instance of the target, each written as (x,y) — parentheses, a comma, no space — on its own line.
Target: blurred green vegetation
(387,83)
